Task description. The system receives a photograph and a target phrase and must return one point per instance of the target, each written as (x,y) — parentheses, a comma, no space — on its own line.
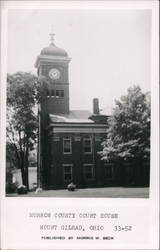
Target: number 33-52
(122,228)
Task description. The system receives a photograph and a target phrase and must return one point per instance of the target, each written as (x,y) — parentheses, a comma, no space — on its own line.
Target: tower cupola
(53,50)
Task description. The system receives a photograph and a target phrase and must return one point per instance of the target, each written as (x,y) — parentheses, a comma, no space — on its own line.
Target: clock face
(54,74)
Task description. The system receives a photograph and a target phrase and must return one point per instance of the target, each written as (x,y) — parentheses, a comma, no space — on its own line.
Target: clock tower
(52,69)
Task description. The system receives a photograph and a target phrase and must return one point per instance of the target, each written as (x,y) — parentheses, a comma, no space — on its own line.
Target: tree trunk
(26,172)
(23,169)
(23,176)
(26,164)
(21,162)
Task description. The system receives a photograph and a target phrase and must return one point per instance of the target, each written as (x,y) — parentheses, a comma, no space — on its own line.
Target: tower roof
(52,52)
(52,49)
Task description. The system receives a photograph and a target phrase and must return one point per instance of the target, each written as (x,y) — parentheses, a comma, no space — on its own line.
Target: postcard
(79,125)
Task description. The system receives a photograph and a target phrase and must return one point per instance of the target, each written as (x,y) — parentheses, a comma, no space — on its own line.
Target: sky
(109,49)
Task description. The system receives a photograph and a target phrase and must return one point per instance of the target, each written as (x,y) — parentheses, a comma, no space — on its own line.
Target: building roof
(53,50)
(74,116)
(79,114)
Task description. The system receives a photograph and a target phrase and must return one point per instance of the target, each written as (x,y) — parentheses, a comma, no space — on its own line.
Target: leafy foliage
(128,133)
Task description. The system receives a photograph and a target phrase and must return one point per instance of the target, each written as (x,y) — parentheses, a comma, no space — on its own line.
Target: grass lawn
(105,192)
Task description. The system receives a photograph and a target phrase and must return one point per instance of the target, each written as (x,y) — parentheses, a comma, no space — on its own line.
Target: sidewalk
(106,192)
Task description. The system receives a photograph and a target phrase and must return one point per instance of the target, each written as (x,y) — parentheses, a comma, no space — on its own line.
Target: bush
(71,187)
(22,189)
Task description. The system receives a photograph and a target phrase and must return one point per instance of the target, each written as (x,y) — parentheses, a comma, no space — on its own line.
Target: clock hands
(54,74)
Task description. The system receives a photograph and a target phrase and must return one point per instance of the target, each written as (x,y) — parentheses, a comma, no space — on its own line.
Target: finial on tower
(52,36)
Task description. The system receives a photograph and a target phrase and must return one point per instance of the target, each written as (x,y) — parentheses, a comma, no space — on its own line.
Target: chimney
(96,106)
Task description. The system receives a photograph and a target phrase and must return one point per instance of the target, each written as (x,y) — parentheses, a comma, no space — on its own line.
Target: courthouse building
(69,139)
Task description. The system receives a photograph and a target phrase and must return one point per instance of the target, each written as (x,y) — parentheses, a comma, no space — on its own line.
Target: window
(109,171)
(87,145)
(57,93)
(67,146)
(48,93)
(52,93)
(88,172)
(67,170)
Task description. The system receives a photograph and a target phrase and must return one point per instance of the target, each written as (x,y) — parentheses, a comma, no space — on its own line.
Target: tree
(128,133)
(21,118)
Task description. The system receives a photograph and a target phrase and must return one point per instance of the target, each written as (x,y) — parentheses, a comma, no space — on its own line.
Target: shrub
(71,187)
(22,189)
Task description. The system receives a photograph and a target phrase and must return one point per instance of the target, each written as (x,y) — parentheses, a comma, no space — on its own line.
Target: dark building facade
(70,139)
